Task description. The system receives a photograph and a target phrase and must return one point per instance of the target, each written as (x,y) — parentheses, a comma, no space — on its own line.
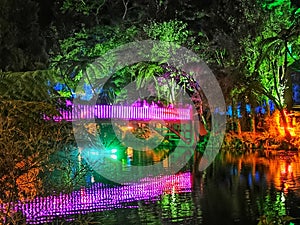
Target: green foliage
(145,72)
(275,3)
(29,86)
(81,6)
(172,31)
(93,42)
(80,52)
(270,53)
(79,56)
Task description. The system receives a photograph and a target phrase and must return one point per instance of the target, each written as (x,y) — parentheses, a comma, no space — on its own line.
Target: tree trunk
(288,92)
(235,118)
(253,122)
(285,124)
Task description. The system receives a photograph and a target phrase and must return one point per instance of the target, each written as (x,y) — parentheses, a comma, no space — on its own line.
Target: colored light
(100,197)
(123,112)
(113,156)
(114,150)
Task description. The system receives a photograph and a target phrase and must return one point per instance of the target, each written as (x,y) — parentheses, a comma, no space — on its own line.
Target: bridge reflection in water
(235,189)
(100,197)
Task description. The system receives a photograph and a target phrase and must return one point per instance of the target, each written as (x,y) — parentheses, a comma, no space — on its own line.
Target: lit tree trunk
(278,102)
(288,92)
(282,114)
(285,123)
(253,128)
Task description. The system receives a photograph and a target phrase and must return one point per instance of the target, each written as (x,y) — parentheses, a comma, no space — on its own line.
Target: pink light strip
(124,112)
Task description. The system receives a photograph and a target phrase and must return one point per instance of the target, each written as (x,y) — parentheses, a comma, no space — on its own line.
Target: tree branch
(125,3)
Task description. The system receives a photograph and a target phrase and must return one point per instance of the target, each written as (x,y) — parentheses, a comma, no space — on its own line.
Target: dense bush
(26,142)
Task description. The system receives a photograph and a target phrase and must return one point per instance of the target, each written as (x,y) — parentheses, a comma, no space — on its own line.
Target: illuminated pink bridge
(100,197)
(79,112)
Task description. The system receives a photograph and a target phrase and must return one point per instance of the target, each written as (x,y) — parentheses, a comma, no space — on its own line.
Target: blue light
(258,109)
(248,108)
(296,93)
(58,87)
(250,179)
(238,109)
(272,106)
(229,111)
(257,177)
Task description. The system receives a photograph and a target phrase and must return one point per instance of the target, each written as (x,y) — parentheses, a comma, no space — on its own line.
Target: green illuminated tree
(271,53)
(78,52)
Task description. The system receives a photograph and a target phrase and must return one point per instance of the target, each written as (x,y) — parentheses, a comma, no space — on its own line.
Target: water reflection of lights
(282,167)
(286,175)
(100,197)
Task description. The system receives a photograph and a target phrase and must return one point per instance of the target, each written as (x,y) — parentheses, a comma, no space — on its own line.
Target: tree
(271,53)
(29,86)
(27,141)
(77,53)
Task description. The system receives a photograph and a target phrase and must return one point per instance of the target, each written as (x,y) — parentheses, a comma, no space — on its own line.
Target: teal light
(114,150)
(94,152)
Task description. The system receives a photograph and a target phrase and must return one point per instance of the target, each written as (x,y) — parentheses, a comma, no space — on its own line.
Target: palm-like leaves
(271,55)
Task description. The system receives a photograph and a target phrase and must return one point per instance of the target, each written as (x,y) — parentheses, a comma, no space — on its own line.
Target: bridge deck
(104,112)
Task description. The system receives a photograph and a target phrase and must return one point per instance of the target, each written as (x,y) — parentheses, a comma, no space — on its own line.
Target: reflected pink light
(124,112)
(100,197)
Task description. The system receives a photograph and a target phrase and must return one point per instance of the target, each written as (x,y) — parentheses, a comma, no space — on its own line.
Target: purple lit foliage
(185,80)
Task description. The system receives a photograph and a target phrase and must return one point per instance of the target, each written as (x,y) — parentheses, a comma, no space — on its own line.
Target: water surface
(234,189)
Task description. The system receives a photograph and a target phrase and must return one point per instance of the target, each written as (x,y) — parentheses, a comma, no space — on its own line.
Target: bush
(26,141)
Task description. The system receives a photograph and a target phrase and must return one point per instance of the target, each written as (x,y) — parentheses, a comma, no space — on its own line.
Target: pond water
(234,189)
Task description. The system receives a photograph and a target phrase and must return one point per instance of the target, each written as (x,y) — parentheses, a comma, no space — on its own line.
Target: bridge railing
(79,112)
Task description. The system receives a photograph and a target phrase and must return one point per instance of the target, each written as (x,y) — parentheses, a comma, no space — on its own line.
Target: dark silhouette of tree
(22,47)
